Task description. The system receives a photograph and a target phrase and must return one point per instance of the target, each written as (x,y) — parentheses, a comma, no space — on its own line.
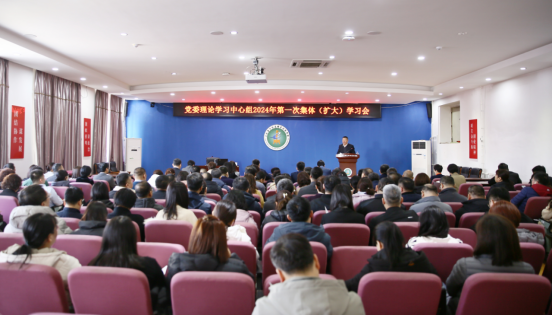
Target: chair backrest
(309,196)
(372,215)
(224,191)
(435,180)
(159,251)
(256,196)
(86,188)
(246,252)
(465,171)
(198,213)
(538,228)
(318,217)
(268,231)
(420,293)
(161,202)
(348,234)
(519,187)
(31,288)
(512,194)
(464,188)
(252,230)
(7,204)
(454,206)
(146,213)
(347,261)
(72,223)
(274,279)
(408,205)
(535,205)
(469,219)
(270,193)
(475,173)
(408,229)
(123,291)
(168,231)
(211,203)
(60,190)
(103,181)
(468,236)
(215,197)
(450,219)
(190,290)
(547,271)
(486,189)
(504,293)
(8,239)
(534,254)
(82,247)
(444,256)
(256,217)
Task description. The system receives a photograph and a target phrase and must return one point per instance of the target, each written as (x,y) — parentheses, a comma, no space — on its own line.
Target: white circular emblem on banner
(348,171)
(276,137)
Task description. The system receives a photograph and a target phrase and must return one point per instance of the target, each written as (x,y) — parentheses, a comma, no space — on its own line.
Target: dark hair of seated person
(33,195)
(341,198)
(4,173)
(170,171)
(122,179)
(195,181)
(12,182)
(177,195)
(508,210)
(100,191)
(300,166)
(209,236)
(125,198)
(73,195)
(298,209)
(118,245)
(498,193)
(292,253)
(303,179)
(237,198)
(241,183)
(95,211)
(452,168)
(76,172)
(251,183)
(504,175)
(61,175)
(392,240)
(433,222)
(157,172)
(282,198)
(422,179)
(142,189)
(161,182)
(498,237)
(181,177)
(85,171)
(225,210)
(37,228)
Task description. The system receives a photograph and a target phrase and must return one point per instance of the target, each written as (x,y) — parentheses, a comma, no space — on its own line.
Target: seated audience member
(216,178)
(282,183)
(237,197)
(11,185)
(155,174)
(540,182)
(310,189)
(76,172)
(104,175)
(392,254)
(260,180)
(420,180)
(476,203)
(10,166)
(51,176)
(502,179)
(343,178)
(375,204)
(40,232)
(183,175)
(207,251)
(279,214)
(61,178)
(300,167)
(94,220)
(384,170)
(170,171)
(195,183)
(73,203)
(144,194)
(497,251)
(225,176)
(459,179)
(308,169)
(49,169)
(510,211)
(28,181)
(321,165)
(211,186)
(342,208)
(354,181)
(226,211)
(366,172)
(242,184)
(391,170)
(139,176)
(449,192)
(37,177)
(539,169)
(438,170)
(408,174)
(84,173)
(119,249)
(323,202)
(189,166)
(275,171)
(513,177)
(231,167)
(394,177)
(257,163)
(300,215)
(5,172)
(124,180)
(407,186)
(100,193)
(177,163)
(253,189)
(210,167)
(391,200)
(434,228)
(125,199)
(498,194)
(161,186)
(303,181)
(336,171)
(364,191)
(298,270)
(176,207)
(375,179)
(430,198)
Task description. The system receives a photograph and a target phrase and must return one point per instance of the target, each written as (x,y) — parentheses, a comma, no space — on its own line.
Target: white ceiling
(82,39)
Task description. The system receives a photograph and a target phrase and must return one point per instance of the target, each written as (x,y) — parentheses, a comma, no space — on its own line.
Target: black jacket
(69,213)
(410,196)
(310,189)
(270,204)
(252,203)
(321,203)
(8,192)
(410,261)
(159,292)
(213,188)
(147,203)
(227,181)
(473,205)
(108,203)
(343,215)
(451,195)
(61,183)
(159,194)
(349,148)
(371,205)
(294,176)
(85,180)
(508,186)
(513,177)
(91,228)
(135,217)
(393,214)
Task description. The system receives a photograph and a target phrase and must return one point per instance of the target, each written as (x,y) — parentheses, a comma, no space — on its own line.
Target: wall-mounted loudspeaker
(429,109)
(152,104)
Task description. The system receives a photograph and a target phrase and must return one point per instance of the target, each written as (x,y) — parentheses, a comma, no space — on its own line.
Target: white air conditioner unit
(421,154)
(310,63)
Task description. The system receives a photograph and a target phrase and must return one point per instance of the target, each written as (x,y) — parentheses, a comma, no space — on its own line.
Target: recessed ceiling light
(347,92)
(105,86)
(124,34)
(31,35)
(183,99)
(374,32)
(216,33)
(233,32)
(121,93)
(18,54)
(394,73)
(174,73)
(377,100)
(136,98)
(488,79)
(462,33)
(338,100)
(302,92)
(172,94)
(154,58)
(523,68)
(226,73)
(55,69)
(424,99)
(299,99)
(257,92)
(83,79)
(331,57)
(440,93)
(461,87)
(389,95)
(213,92)
(241,57)
(348,32)
(245,73)
(260,99)
(420,58)
(222,99)
(320,73)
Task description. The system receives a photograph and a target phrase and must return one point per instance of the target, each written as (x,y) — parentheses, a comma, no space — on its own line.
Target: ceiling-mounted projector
(257,74)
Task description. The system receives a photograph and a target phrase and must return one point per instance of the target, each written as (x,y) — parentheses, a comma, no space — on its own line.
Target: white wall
(514,125)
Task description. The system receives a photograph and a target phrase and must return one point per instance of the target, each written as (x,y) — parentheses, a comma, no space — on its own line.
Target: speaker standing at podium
(345,147)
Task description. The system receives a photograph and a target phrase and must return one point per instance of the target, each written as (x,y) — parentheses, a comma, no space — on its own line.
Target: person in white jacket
(434,228)
(40,233)
(33,199)
(176,206)
(301,290)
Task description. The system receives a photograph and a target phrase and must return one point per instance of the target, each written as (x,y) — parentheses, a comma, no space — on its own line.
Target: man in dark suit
(345,147)
(300,167)
(513,177)
(176,165)
(311,189)
(326,171)
(124,201)
(375,204)
(407,186)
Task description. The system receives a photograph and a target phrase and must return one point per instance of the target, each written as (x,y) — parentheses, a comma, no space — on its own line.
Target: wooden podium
(348,161)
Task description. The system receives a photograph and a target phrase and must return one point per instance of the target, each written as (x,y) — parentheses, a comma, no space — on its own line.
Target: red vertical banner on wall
(87,151)
(18,133)
(473,137)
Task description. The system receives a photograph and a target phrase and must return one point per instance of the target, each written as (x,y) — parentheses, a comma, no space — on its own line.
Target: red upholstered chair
(450,219)
(199,213)
(103,181)
(547,271)
(519,187)
(123,291)
(309,196)
(470,219)
(256,217)
(486,189)
(168,231)
(31,288)
(348,234)
(534,254)
(215,197)
(444,256)
(8,239)
(159,251)
(268,213)
(211,203)
(512,194)
(85,187)
(72,223)
(270,193)
(82,247)
(504,293)
(192,291)
(435,180)
(347,261)
(464,188)
(468,236)
(535,205)
(454,206)
(7,204)
(274,279)
(247,252)
(408,229)
(408,205)
(60,190)
(252,230)
(372,215)
(420,293)
(538,228)
(268,231)
(161,202)
(146,213)
(268,268)
(318,217)
(224,191)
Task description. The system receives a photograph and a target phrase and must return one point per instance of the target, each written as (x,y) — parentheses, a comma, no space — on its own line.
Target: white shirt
(55,200)
(152,180)
(430,239)
(182,215)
